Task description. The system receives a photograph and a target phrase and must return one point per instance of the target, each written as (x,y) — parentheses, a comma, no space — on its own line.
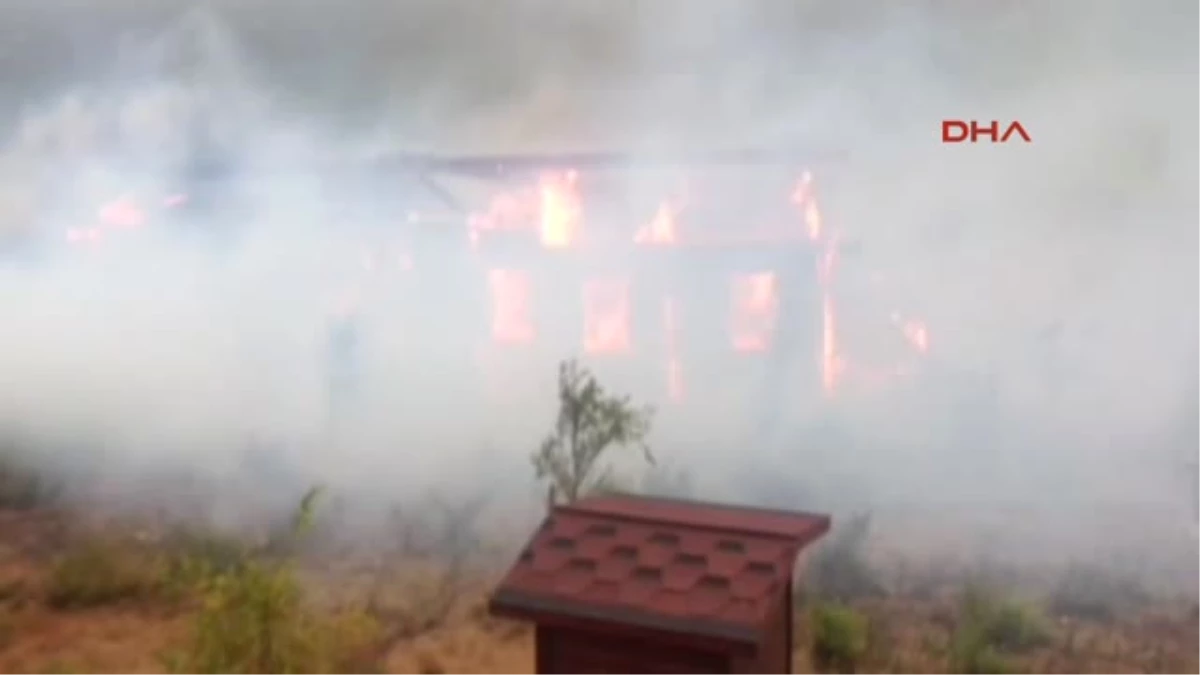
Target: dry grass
(88,604)
(96,574)
(109,639)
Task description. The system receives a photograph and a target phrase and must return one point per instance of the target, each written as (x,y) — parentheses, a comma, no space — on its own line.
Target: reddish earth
(910,632)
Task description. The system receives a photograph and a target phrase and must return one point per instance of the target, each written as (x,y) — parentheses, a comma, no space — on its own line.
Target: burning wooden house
(619,259)
(657,292)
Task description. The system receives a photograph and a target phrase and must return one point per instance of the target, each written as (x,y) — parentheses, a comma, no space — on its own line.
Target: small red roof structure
(640,584)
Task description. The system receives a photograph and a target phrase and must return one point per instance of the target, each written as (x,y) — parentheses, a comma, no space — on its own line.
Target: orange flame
(832,362)
(606,317)
(914,330)
(512,321)
(561,209)
(504,211)
(918,335)
(554,207)
(802,196)
(756,306)
(662,228)
(121,213)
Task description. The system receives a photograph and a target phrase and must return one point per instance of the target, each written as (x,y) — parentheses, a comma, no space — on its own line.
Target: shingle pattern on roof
(666,563)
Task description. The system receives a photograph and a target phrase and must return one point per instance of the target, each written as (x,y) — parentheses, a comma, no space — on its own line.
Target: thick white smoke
(1056,277)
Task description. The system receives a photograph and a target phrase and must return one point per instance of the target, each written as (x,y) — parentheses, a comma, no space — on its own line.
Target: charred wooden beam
(508,166)
(513,165)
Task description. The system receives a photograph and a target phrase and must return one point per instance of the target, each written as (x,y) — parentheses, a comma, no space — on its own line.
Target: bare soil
(911,631)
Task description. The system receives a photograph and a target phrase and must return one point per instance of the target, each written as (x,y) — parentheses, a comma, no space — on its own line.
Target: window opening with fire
(554,210)
(755,311)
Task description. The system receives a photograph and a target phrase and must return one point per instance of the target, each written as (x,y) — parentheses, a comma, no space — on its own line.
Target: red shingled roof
(684,567)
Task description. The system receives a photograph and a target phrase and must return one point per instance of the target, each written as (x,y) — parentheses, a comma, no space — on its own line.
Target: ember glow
(914,331)
(606,316)
(917,334)
(802,197)
(506,211)
(512,319)
(755,311)
(123,212)
(663,227)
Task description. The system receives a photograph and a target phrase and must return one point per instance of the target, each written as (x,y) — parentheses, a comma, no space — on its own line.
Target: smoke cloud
(1056,278)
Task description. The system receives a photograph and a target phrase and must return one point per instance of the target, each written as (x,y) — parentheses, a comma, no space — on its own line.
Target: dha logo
(969,131)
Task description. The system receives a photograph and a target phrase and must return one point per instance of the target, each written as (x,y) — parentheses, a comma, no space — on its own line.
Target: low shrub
(990,630)
(254,620)
(839,638)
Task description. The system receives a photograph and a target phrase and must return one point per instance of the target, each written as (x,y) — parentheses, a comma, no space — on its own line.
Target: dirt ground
(910,630)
